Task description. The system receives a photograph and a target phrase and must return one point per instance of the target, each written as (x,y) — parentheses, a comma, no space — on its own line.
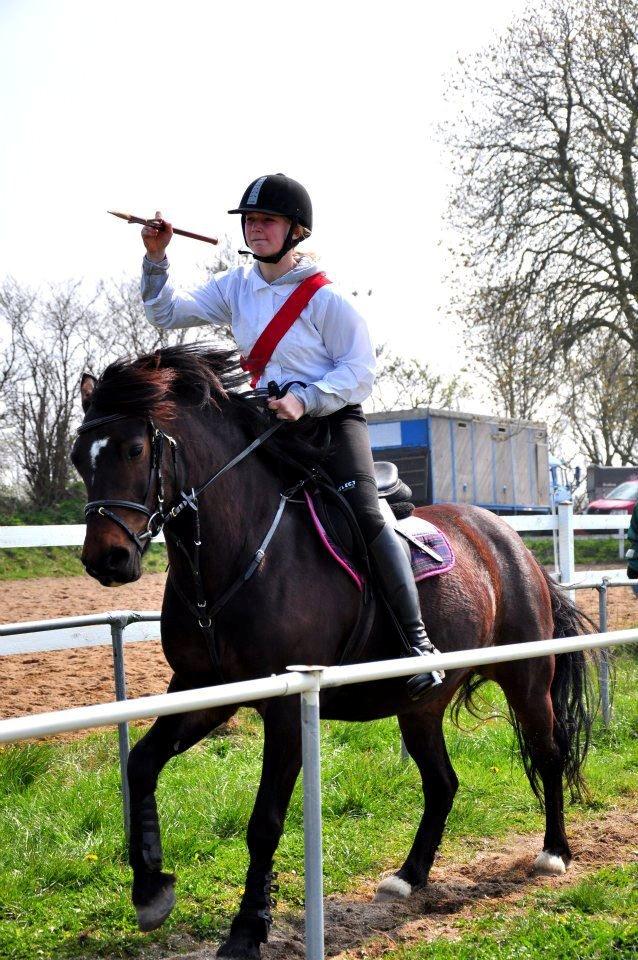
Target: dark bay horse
(166,423)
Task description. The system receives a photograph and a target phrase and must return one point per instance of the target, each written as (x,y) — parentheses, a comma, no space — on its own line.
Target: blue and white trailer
(446,456)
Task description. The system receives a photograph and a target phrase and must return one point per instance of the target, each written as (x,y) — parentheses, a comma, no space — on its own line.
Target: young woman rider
(327,348)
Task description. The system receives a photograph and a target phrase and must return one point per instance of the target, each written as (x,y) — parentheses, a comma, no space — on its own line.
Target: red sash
(256,361)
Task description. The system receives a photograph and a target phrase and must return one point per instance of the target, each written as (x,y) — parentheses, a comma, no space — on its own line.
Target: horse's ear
(87,386)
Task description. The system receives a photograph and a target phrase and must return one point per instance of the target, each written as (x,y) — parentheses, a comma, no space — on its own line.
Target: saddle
(426,546)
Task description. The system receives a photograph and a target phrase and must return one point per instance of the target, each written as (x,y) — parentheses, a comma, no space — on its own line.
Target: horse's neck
(241,501)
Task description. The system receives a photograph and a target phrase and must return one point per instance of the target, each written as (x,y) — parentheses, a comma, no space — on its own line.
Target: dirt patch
(496,875)
(33,683)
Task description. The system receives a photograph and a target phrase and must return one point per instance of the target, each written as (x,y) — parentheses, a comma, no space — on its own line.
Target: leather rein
(161,516)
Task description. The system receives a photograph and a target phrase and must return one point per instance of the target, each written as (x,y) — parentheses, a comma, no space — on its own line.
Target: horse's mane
(156,386)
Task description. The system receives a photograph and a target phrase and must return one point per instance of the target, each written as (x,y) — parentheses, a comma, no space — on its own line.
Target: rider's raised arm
(347,339)
(169,307)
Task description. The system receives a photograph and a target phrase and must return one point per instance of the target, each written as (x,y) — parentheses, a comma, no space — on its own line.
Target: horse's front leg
(153,890)
(280,769)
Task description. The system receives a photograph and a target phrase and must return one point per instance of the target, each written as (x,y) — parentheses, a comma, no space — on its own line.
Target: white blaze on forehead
(94,451)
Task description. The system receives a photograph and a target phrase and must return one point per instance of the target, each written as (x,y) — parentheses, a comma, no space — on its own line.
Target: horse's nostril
(117,558)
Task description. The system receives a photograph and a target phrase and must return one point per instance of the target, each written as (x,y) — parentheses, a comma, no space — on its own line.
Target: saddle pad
(423,565)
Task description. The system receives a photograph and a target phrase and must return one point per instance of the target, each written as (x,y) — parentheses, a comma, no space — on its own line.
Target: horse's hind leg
(527,686)
(153,893)
(281,765)
(423,738)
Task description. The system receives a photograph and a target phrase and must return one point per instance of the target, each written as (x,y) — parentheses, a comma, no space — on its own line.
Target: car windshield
(625,491)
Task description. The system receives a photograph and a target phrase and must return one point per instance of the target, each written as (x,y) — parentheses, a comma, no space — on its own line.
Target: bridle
(156,518)
(159,517)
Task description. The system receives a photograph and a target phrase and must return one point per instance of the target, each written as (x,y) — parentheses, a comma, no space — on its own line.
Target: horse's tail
(573,693)
(574,699)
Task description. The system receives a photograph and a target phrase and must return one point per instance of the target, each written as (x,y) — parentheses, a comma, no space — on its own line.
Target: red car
(622,499)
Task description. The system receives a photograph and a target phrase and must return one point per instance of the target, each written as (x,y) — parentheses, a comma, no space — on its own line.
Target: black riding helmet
(276,193)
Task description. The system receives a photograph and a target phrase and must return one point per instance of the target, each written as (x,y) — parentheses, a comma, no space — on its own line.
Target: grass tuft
(21,766)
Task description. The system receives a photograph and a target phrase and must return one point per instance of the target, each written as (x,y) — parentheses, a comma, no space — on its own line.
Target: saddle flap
(429,549)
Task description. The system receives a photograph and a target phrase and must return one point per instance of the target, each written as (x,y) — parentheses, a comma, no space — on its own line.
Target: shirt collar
(305,268)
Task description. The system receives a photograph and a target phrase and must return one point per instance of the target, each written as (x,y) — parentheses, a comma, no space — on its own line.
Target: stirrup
(421,683)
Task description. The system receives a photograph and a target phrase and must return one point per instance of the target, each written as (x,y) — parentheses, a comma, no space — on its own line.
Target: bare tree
(599,400)
(513,352)
(405,384)
(123,329)
(16,307)
(50,343)
(546,155)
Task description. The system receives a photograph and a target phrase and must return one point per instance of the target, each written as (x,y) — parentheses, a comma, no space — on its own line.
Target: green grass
(24,563)
(587,550)
(17,512)
(65,881)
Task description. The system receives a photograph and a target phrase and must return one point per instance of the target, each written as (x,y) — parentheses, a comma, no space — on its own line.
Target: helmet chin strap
(289,243)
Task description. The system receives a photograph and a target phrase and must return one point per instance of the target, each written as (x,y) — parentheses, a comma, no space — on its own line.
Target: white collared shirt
(328,347)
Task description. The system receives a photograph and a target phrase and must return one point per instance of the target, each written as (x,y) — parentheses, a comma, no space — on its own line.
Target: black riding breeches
(351,468)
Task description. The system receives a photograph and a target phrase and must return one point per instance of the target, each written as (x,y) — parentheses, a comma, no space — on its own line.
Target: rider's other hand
(156,240)
(287,408)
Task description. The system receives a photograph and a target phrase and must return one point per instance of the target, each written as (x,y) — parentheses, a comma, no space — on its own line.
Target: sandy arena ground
(32,683)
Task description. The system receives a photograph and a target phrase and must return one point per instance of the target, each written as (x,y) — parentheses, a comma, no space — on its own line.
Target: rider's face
(266,232)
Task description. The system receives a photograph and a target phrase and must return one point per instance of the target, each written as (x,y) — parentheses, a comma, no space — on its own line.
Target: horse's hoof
(549,864)
(239,950)
(152,915)
(393,888)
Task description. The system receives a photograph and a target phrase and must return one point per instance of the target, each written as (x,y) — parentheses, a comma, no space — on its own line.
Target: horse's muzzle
(114,566)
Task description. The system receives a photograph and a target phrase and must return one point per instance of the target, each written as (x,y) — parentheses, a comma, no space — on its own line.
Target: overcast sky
(177,106)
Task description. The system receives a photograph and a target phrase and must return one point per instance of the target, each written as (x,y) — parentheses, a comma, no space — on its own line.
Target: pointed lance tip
(122,216)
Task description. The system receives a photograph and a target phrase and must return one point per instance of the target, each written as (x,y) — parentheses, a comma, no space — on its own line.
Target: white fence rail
(282,685)
(52,535)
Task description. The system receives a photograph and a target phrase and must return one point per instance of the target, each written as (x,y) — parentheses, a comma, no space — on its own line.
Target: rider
(327,348)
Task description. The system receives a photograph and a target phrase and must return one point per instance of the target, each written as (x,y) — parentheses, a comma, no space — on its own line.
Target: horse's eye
(135,451)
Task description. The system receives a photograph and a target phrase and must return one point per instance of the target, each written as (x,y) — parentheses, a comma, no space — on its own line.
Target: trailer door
(462,462)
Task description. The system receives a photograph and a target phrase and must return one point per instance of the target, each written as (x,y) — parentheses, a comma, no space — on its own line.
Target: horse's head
(119,458)
(128,461)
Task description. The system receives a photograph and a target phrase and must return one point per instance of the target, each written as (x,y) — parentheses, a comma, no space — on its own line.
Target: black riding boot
(395,576)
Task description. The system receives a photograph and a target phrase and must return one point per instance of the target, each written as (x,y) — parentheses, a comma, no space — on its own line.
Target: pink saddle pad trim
(352,573)
(423,565)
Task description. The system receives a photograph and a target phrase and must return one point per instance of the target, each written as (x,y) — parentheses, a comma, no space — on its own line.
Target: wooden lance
(159,224)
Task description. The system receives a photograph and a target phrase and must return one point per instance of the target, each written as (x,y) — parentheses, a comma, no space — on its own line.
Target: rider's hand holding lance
(156,239)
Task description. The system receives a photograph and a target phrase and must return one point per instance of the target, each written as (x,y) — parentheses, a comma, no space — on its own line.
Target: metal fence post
(621,544)
(313,850)
(604,658)
(566,544)
(118,623)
